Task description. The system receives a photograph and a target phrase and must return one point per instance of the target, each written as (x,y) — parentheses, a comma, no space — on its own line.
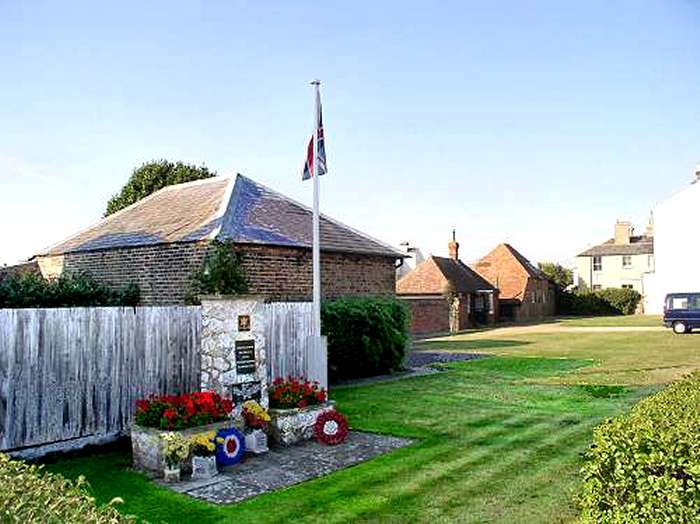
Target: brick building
(444,294)
(525,293)
(162,240)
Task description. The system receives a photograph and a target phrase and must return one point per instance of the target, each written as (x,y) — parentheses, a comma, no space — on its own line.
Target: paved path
(283,467)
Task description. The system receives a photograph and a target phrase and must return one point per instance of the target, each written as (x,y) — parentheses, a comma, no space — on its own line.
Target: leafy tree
(560,275)
(221,274)
(151,177)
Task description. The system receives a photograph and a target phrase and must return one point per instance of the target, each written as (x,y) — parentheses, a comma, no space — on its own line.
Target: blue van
(682,311)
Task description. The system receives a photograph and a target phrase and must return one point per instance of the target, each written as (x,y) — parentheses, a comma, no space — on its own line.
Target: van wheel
(679,328)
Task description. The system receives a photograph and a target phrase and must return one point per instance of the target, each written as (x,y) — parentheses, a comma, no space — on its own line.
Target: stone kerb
(233,352)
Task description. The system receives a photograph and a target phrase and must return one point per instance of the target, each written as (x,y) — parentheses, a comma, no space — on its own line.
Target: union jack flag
(309,165)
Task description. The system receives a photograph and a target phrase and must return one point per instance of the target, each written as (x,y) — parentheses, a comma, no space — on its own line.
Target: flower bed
(186,415)
(295,393)
(182,411)
(295,404)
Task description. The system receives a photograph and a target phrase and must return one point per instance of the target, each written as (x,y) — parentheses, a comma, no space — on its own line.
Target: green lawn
(612,321)
(492,445)
(632,357)
(497,439)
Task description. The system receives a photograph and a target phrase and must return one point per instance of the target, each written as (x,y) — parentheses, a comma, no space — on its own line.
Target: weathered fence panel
(292,350)
(77,372)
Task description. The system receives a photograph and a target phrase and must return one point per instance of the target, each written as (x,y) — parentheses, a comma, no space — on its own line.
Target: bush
(31,290)
(221,274)
(29,494)
(624,301)
(645,466)
(609,301)
(366,336)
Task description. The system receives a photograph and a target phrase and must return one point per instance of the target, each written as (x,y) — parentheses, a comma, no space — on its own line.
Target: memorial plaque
(245,356)
(243,322)
(246,391)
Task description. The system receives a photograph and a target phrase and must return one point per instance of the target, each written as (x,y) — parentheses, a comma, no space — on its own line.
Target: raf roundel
(230,448)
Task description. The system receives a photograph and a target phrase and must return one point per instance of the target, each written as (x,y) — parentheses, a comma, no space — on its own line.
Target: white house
(676,247)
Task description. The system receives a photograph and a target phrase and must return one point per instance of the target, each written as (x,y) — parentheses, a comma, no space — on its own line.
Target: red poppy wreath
(331,428)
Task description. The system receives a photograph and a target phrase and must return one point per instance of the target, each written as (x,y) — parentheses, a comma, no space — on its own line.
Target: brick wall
(427,314)
(163,271)
(286,273)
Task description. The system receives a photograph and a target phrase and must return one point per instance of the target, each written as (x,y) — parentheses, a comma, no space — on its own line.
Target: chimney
(623,232)
(453,247)
(650,226)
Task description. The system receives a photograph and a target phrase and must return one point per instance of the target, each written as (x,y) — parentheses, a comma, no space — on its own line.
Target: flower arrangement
(203,444)
(182,411)
(176,449)
(331,428)
(256,417)
(295,393)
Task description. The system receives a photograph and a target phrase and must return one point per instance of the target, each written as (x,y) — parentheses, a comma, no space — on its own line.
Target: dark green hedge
(30,290)
(366,336)
(29,494)
(645,466)
(609,301)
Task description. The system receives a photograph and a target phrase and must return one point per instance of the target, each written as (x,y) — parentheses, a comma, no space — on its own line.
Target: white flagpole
(316,251)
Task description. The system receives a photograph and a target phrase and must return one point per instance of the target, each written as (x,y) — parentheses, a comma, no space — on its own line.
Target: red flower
(170,414)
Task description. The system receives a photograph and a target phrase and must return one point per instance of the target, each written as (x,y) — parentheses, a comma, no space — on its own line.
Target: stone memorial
(233,348)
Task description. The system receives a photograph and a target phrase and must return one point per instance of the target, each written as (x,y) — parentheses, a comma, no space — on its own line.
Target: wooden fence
(77,372)
(291,347)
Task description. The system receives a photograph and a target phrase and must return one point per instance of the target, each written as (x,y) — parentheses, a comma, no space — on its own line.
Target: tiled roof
(639,245)
(507,269)
(437,275)
(225,208)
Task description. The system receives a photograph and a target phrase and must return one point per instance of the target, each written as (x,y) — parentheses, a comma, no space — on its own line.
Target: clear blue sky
(533,122)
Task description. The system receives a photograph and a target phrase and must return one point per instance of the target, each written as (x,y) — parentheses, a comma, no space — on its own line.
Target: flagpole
(316,251)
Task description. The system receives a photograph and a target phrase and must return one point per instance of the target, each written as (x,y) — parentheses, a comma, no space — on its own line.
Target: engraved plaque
(245,356)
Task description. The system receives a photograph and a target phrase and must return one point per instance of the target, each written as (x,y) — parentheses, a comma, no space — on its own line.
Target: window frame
(628,259)
(597,262)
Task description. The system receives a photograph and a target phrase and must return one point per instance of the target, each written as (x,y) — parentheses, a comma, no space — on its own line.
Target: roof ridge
(322,215)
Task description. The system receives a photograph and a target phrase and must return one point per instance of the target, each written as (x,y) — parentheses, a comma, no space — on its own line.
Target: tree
(221,274)
(560,275)
(151,177)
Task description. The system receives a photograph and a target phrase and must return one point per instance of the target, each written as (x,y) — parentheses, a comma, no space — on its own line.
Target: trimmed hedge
(31,290)
(29,494)
(366,336)
(609,301)
(645,466)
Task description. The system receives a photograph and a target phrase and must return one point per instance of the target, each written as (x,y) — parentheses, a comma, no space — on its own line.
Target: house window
(597,263)
(597,287)
(627,286)
(627,261)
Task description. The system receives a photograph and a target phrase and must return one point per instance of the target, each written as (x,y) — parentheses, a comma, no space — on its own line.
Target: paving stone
(283,467)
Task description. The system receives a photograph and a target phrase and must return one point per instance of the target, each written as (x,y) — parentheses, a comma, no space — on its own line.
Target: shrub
(645,466)
(295,393)
(29,494)
(221,274)
(31,290)
(624,301)
(609,301)
(366,336)
(182,411)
